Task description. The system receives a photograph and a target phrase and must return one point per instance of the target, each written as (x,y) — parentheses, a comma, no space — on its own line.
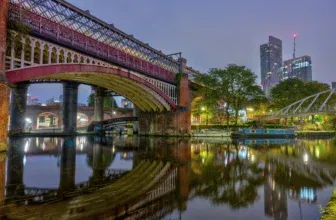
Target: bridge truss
(61,22)
(320,103)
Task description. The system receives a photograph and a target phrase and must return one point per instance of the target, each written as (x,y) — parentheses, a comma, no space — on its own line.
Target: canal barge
(263,133)
(211,133)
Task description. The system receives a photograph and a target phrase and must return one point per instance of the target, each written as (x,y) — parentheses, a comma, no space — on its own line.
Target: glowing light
(305,158)
(26,147)
(294,35)
(202,108)
(317,153)
(114,112)
(252,158)
(28,120)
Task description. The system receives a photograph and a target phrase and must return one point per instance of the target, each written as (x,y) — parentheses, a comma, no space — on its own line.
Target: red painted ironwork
(63,35)
(26,74)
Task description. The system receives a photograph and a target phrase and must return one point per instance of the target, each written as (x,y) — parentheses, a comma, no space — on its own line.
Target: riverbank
(330,211)
(314,134)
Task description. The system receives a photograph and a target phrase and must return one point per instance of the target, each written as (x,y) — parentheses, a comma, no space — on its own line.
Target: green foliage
(329,213)
(109,101)
(236,85)
(292,90)
(206,103)
(18,27)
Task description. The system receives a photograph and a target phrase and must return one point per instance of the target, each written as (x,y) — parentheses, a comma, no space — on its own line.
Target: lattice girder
(314,104)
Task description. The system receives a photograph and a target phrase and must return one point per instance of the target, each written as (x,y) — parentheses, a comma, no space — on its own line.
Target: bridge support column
(176,122)
(4,89)
(99,104)
(18,108)
(70,95)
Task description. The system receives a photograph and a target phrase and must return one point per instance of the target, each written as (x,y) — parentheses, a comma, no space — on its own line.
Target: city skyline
(208,37)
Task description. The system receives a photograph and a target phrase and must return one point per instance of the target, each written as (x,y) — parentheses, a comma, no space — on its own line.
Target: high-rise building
(270,63)
(333,85)
(300,67)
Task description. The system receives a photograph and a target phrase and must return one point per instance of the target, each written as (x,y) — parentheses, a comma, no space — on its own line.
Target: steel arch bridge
(318,103)
(67,43)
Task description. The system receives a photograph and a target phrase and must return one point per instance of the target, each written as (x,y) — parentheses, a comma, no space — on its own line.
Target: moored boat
(263,133)
(211,133)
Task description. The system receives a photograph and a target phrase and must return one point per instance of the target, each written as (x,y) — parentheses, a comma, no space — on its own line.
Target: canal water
(166,178)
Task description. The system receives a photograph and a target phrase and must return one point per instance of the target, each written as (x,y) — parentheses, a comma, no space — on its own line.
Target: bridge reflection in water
(154,178)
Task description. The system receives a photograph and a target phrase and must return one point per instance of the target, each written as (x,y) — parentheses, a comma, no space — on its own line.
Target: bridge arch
(141,92)
(47,120)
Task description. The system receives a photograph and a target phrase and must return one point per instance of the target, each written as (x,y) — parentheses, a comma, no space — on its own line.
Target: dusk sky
(216,33)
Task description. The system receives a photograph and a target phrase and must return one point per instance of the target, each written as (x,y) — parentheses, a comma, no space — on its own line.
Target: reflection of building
(306,194)
(275,197)
(300,67)
(125,103)
(270,63)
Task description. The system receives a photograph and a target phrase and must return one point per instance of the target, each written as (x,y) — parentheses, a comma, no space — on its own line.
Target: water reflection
(143,177)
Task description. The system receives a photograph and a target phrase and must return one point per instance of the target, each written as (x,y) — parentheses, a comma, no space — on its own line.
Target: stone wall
(4,90)
(166,123)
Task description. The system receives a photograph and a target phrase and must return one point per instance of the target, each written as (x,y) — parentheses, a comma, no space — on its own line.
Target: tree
(237,86)
(292,90)
(109,101)
(206,102)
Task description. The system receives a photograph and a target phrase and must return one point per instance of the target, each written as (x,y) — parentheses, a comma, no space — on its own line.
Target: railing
(46,28)
(121,119)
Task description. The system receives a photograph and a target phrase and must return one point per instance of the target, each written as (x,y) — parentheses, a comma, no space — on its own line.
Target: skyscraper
(270,63)
(300,67)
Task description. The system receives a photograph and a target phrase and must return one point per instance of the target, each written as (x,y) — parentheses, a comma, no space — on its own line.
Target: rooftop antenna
(294,36)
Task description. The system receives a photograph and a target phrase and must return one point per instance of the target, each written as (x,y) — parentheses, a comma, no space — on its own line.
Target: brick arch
(141,92)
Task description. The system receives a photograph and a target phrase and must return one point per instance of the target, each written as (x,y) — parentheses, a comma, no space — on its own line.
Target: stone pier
(18,108)
(70,95)
(99,104)
(176,122)
(4,89)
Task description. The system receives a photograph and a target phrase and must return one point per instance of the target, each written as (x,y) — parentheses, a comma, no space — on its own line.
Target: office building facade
(300,67)
(270,63)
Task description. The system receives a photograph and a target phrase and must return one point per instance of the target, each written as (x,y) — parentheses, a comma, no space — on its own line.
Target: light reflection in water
(232,175)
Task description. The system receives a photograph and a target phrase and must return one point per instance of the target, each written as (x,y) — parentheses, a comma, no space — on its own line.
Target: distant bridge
(112,122)
(319,103)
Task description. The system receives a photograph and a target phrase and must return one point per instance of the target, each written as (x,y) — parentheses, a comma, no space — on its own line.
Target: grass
(329,213)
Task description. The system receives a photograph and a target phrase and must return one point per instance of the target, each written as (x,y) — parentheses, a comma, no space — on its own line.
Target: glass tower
(270,63)
(300,67)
